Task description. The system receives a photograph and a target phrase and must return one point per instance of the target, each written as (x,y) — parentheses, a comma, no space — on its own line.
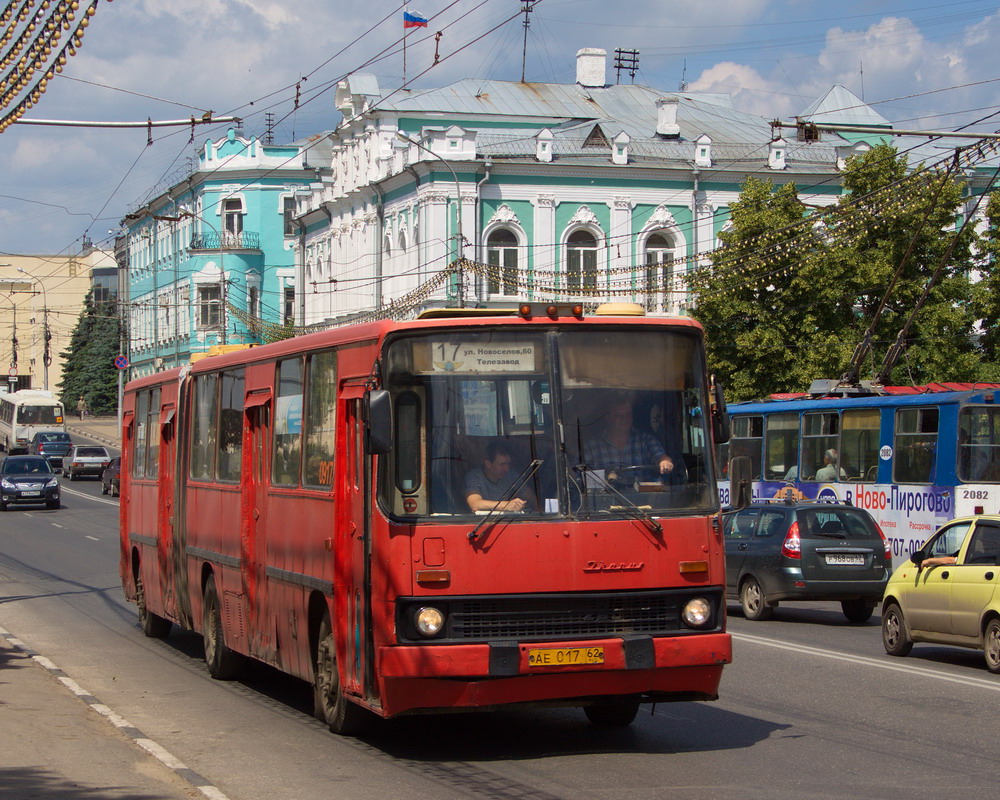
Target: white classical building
(584,191)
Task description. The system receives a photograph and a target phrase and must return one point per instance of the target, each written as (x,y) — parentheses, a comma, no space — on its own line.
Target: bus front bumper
(491,674)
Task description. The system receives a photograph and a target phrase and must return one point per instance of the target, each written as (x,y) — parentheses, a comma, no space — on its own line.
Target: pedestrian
(81,407)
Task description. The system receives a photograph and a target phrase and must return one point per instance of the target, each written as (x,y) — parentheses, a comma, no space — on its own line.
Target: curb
(178,767)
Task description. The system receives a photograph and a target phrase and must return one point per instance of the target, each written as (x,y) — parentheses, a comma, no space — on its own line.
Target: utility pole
(526,9)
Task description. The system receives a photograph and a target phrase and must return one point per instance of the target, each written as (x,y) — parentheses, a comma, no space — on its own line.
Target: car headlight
(697,612)
(6,484)
(52,483)
(429,621)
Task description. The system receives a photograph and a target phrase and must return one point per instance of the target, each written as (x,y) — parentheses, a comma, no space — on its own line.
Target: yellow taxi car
(946,593)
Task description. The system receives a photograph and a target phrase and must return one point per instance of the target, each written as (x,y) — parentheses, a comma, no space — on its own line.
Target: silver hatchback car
(86,459)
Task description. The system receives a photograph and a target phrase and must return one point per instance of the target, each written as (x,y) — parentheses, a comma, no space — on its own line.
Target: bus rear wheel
(329,704)
(612,712)
(223,664)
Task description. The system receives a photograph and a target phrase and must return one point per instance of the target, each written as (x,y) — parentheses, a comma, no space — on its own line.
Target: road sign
(12,372)
(121,362)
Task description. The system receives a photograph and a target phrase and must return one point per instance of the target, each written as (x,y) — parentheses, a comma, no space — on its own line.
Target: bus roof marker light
(524,309)
(578,310)
(552,310)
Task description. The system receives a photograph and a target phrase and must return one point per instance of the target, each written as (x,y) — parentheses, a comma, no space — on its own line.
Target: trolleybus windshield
(615,416)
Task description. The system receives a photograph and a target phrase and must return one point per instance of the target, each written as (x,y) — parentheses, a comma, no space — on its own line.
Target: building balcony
(244,240)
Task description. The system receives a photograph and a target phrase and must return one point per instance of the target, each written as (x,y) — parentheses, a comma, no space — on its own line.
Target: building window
(289,305)
(659,254)
(209,306)
(288,211)
(253,302)
(501,255)
(581,262)
(232,216)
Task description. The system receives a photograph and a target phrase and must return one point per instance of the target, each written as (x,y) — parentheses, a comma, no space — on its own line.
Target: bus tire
(223,664)
(895,639)
(755,608)
(329,703)
(612,712)
(153,625)
(857,610)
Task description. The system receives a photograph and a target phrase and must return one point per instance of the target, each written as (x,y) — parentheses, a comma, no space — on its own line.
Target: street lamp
(46,336)
(458,200)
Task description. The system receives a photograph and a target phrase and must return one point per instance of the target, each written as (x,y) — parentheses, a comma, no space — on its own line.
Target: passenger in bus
(485,485)
(621,448)
(829,471)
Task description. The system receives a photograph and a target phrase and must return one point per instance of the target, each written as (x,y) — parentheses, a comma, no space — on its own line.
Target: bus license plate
(856,558)
(565,656)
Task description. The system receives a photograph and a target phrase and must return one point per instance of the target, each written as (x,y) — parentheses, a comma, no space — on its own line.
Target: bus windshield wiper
(631,509)
(514,488)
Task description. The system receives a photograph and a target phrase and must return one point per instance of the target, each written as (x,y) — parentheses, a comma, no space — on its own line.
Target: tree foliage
(88,364)
(788,297)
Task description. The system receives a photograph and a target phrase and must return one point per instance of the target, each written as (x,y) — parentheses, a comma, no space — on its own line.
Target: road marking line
(164,756)
(870,662)
(93,538)
(56,525)
(96,499)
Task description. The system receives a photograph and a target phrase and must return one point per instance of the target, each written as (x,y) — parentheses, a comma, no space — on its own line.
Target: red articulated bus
(309,504)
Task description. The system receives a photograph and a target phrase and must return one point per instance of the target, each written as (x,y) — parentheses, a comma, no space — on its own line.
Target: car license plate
(856,559)
(30,494)
(565,656)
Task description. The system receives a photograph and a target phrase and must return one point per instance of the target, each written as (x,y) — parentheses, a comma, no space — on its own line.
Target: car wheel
(991,646)
(116,491)
(857,610)
(752,600)
(895,639)
(612,712)
(104,488)
(70,475)
(223,664)
(52,504)
(329,704)
(3,506)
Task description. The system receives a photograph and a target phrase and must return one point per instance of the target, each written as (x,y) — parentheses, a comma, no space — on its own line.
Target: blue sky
(920,64)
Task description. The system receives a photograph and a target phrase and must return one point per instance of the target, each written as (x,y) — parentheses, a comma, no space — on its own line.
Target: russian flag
(414,19)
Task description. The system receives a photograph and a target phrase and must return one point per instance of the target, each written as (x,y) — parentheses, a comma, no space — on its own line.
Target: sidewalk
(100,429)
(55,743)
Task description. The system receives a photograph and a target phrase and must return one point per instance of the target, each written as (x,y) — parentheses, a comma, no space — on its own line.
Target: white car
(86,459)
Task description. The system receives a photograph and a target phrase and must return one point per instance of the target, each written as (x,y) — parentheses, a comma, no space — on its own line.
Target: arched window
(501,254)
(581,261)
(659,254)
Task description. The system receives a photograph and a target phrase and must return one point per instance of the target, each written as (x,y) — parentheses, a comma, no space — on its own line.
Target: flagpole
(406,34)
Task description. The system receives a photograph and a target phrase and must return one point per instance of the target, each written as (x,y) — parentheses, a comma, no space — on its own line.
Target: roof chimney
(666,117)
(590,67)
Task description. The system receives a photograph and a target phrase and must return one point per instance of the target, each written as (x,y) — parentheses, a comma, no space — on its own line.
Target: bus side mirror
(378,433)
(740,486)
(720,416)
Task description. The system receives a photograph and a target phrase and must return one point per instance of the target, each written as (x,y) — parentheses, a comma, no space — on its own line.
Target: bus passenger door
(166,521)
(352,576)
(253,542)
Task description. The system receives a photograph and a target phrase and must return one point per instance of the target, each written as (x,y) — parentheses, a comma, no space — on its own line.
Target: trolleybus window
(230,456)
(745,441)
(859,443)
(781,446)
(819,436)
(321,405)
(288,424)
(979,445)
(204,426)
(915,445)
(153,435)
(141,432)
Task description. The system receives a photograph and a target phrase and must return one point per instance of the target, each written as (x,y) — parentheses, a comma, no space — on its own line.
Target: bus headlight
(697,612)
(429,621)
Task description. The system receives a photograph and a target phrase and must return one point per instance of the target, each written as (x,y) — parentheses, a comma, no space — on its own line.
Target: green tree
(88,364)
(986,293)
(789,296)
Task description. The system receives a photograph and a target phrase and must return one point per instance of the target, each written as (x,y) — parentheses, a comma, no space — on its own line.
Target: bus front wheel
(223,664)
(612,712)
(329,704)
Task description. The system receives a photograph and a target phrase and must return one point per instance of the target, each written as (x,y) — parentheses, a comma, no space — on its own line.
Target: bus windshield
(587,423)
(39,415)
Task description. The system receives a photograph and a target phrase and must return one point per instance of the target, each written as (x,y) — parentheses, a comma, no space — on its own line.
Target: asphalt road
(811,708)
